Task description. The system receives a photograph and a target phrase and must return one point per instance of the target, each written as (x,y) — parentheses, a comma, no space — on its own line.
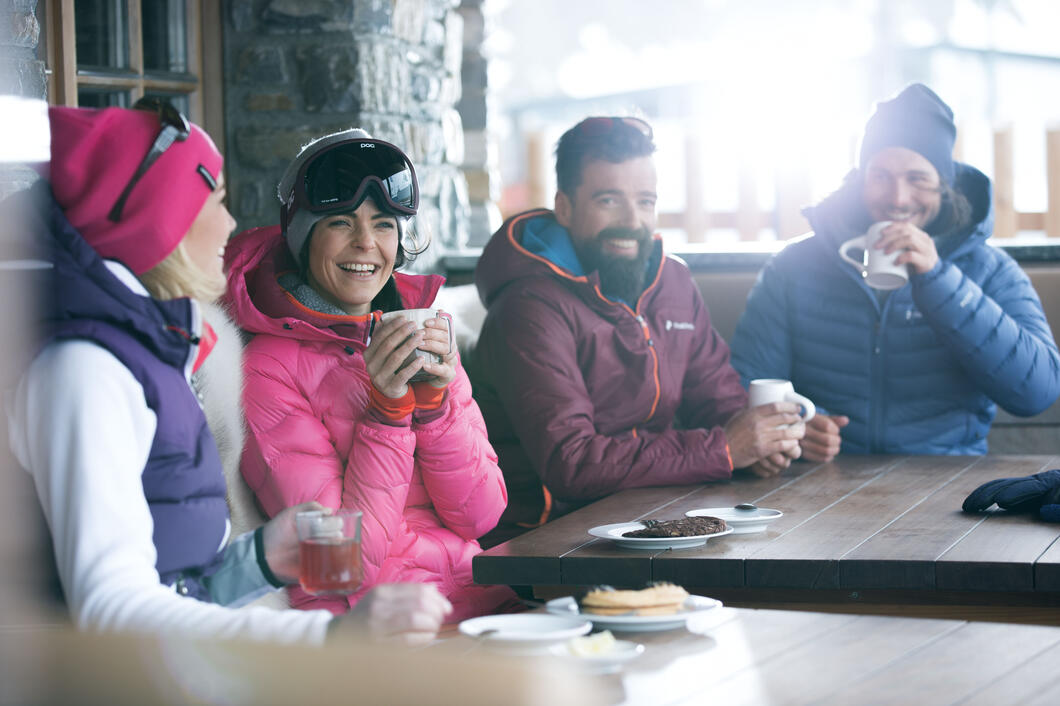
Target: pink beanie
(94,155)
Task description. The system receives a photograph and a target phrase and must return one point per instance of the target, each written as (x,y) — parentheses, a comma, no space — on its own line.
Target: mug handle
(858,242)
(448,325)
(810,410)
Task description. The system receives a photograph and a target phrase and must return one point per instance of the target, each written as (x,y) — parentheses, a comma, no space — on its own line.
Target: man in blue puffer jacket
(919,369)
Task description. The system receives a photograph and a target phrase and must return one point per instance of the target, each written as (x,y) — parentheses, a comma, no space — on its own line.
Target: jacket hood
(254,261)
(842,216)
(82,291)
(533,244)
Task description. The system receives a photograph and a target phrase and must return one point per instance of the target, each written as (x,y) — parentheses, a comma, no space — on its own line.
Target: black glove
(1017,494)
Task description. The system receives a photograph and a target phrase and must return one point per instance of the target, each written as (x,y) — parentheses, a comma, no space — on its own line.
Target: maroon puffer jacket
(590,396)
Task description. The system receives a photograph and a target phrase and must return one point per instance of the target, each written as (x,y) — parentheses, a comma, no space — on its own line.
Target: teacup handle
(858,242)
(449,326)
(810,410)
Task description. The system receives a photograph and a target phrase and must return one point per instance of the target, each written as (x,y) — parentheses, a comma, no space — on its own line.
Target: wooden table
(765,657)
(880,534)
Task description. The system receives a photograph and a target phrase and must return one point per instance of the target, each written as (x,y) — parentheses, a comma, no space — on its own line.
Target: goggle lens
(338,176)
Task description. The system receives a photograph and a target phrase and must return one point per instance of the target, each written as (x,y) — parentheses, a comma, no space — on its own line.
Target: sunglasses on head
(175,128)
(593,127)
(340,175)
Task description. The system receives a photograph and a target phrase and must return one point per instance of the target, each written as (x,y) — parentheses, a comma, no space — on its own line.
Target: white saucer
(615,532)
(611,661)
(741,521)
(524,632)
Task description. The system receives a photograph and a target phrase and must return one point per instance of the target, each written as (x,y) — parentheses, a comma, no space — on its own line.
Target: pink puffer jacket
(427,490)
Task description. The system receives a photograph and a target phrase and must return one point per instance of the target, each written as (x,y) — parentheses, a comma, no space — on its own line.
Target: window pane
(102,34)
(93,97)
(165,36)
(179,100)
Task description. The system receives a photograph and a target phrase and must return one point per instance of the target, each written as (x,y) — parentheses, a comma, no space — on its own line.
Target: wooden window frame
(203,84)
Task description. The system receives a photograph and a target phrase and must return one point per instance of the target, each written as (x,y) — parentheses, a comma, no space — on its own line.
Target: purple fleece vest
(182,481)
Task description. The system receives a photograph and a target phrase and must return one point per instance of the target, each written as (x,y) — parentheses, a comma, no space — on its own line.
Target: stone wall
(480,161)
(297,69)
(21,73)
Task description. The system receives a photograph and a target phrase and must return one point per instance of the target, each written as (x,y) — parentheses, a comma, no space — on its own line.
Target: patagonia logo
(680,325)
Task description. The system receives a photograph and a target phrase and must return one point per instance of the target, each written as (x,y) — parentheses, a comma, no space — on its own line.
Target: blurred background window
(758,104)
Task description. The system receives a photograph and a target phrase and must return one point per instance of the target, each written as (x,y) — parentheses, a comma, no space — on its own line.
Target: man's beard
(620,277)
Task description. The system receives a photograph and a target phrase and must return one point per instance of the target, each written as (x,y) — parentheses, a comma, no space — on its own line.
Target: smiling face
(901,185)
(351,256)
(612,211)
(206,238)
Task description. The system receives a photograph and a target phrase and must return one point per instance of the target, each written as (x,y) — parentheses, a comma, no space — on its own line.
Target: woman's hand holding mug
(387,357)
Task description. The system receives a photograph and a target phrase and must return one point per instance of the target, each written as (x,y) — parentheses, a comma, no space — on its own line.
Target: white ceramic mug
(766,391)
(876,266)
(418,317)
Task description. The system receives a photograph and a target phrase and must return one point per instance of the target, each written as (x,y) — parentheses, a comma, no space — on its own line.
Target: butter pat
(600,643)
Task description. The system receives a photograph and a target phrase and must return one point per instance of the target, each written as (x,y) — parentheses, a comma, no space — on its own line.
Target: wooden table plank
(999,554)
(903,554)
(822,665)
(957,665)
(808,556)
(677,666)
(534,557)
(1035,682)
(1047,569)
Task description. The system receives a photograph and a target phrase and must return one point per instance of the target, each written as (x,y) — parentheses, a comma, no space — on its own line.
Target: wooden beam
(747,213)
(792,194)
(1005,222)
(62,52)
(136,45)
(695,219)
(1052,179)
(211,71)
(537,171)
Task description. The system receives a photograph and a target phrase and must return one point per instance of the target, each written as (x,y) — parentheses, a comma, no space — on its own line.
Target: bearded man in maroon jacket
(597,368)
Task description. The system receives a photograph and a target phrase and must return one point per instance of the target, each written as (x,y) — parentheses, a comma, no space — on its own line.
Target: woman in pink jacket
(332,412)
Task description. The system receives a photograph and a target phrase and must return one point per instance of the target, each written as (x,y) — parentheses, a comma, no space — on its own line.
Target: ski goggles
(174,128)
(339,176)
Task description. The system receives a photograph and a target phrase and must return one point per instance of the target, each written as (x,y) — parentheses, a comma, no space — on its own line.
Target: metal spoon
(746,507)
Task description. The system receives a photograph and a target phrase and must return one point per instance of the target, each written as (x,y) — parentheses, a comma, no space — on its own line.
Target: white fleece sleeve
(79,423)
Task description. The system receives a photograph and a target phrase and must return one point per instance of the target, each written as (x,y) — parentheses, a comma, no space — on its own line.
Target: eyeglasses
(338,176)
(602,125)
(175,128)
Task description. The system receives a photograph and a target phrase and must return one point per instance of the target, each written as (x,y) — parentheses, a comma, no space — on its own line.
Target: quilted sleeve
(996,329)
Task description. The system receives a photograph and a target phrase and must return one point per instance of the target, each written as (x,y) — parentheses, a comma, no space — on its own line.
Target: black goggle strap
(175,128)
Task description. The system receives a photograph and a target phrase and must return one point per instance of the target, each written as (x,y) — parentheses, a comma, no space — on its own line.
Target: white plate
(694,606)
(525,632)
(612,661)
(741,521)
(615,532)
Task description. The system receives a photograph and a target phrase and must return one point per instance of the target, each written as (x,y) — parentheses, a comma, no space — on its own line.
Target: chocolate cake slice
(685,527)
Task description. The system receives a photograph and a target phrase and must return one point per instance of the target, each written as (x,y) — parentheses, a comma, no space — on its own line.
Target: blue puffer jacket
(921,371)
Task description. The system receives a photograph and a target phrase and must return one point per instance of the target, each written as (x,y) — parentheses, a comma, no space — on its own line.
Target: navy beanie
(916,119)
